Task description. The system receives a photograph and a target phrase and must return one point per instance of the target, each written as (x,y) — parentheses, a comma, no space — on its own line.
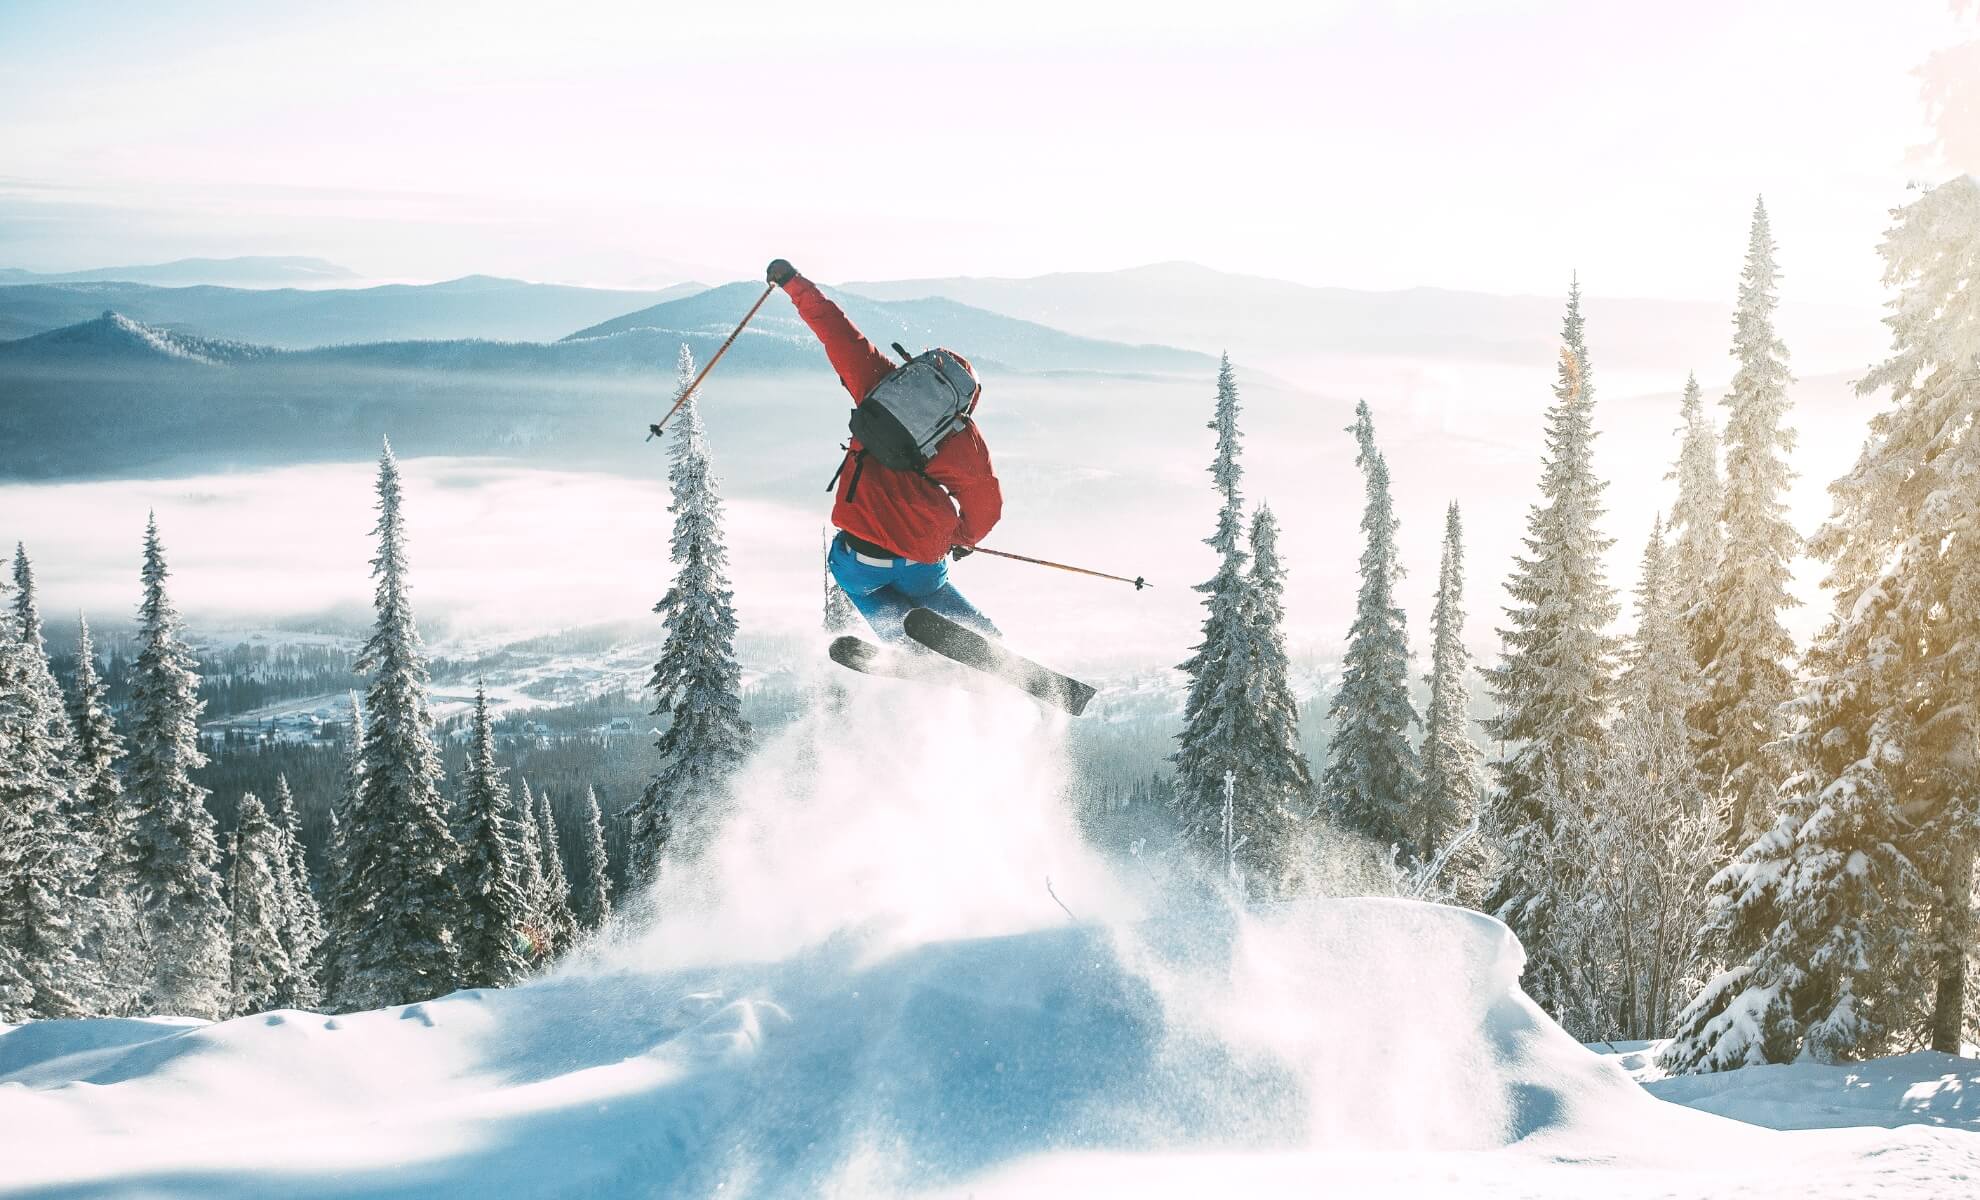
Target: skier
(898,529)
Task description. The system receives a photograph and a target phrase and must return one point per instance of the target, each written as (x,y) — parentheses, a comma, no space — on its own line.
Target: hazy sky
(1481,145)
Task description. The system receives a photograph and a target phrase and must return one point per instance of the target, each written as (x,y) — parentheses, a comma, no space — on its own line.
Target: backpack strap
(858,460)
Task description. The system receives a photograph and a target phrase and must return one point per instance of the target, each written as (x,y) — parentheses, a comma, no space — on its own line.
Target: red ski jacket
(903,511)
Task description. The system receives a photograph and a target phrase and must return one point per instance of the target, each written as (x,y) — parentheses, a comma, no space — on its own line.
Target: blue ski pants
(884,589)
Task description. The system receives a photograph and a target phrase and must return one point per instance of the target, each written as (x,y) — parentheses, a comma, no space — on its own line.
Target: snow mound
(863,988)
(1921,1088)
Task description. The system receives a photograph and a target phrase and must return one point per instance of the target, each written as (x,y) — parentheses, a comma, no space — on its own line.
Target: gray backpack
(907,416)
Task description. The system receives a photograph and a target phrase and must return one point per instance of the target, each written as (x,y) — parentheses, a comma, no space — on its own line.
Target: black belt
(871,549)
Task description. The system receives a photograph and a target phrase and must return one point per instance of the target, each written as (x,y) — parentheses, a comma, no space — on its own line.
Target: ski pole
(1137,581)
(654,430)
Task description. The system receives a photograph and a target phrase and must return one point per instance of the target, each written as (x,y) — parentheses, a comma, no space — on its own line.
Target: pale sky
(1478,145)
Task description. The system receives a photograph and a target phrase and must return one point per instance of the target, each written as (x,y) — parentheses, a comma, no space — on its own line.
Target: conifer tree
(1696,531)
(529,874)
(114,939)
(1651,834)
(175,845)
(697,684)
(1748,676)
(1848,921)
(343,913)
(1373,782)
(492,938)
(302,917)
(1216,711)
(840,615)
(401,853)
(1272,774)
(1452,775)
(44,872)
(594,901)
(1553,681)
(259,966)
(48,694)
(98,787)
(560,927)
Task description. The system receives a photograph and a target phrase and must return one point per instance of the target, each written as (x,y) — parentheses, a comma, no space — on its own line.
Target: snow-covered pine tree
(1651,836)
(115,942)
(1373,782)
(175,845)
(44,871)
(529,875)
(697,684)
(98,787)
(343,917)
(27,628)
(1840,918)
(259,966)
(1272,773)
(1904,554)
(491,938)
(1696,531)
(302,917)
(594,900)
(840,615)
(560,927)
(401,852)
(1748,652)
(1215,711)
(1553,681)
(1452,766)
(1814,915)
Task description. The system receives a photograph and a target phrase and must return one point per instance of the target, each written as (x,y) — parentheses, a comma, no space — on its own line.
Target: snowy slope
(862,988)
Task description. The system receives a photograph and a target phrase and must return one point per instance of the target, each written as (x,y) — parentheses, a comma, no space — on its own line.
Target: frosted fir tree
(1650,837)
(1813,916)
(44,871)
(492,938)
(1373,782)
(1696,531)
(401,853)
(27,628)
(343,911)
(115,941)
(1215,713)
(1748,652)
(560,926)
(529,876)
(1272,774)
(302,916)
(175,845)
(840,615)
(1554,678)
(259,965)
(99,790)
(1857,905)
(1908,522)
(594,894)
(697,684)
(1453,777)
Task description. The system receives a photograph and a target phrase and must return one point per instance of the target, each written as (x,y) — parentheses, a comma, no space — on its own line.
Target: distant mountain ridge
(475,306)
(1285,325)
(917,324)
(246,271)
(116,339)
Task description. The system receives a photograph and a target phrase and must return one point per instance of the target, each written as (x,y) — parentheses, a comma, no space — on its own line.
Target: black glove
(961,552)
(779,272)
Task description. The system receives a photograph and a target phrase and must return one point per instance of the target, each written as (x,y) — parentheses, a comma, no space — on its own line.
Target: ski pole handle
(659,427)
(1137,581)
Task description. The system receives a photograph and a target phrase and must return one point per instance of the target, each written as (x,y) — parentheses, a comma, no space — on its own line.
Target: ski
(858,654)
(980,653)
